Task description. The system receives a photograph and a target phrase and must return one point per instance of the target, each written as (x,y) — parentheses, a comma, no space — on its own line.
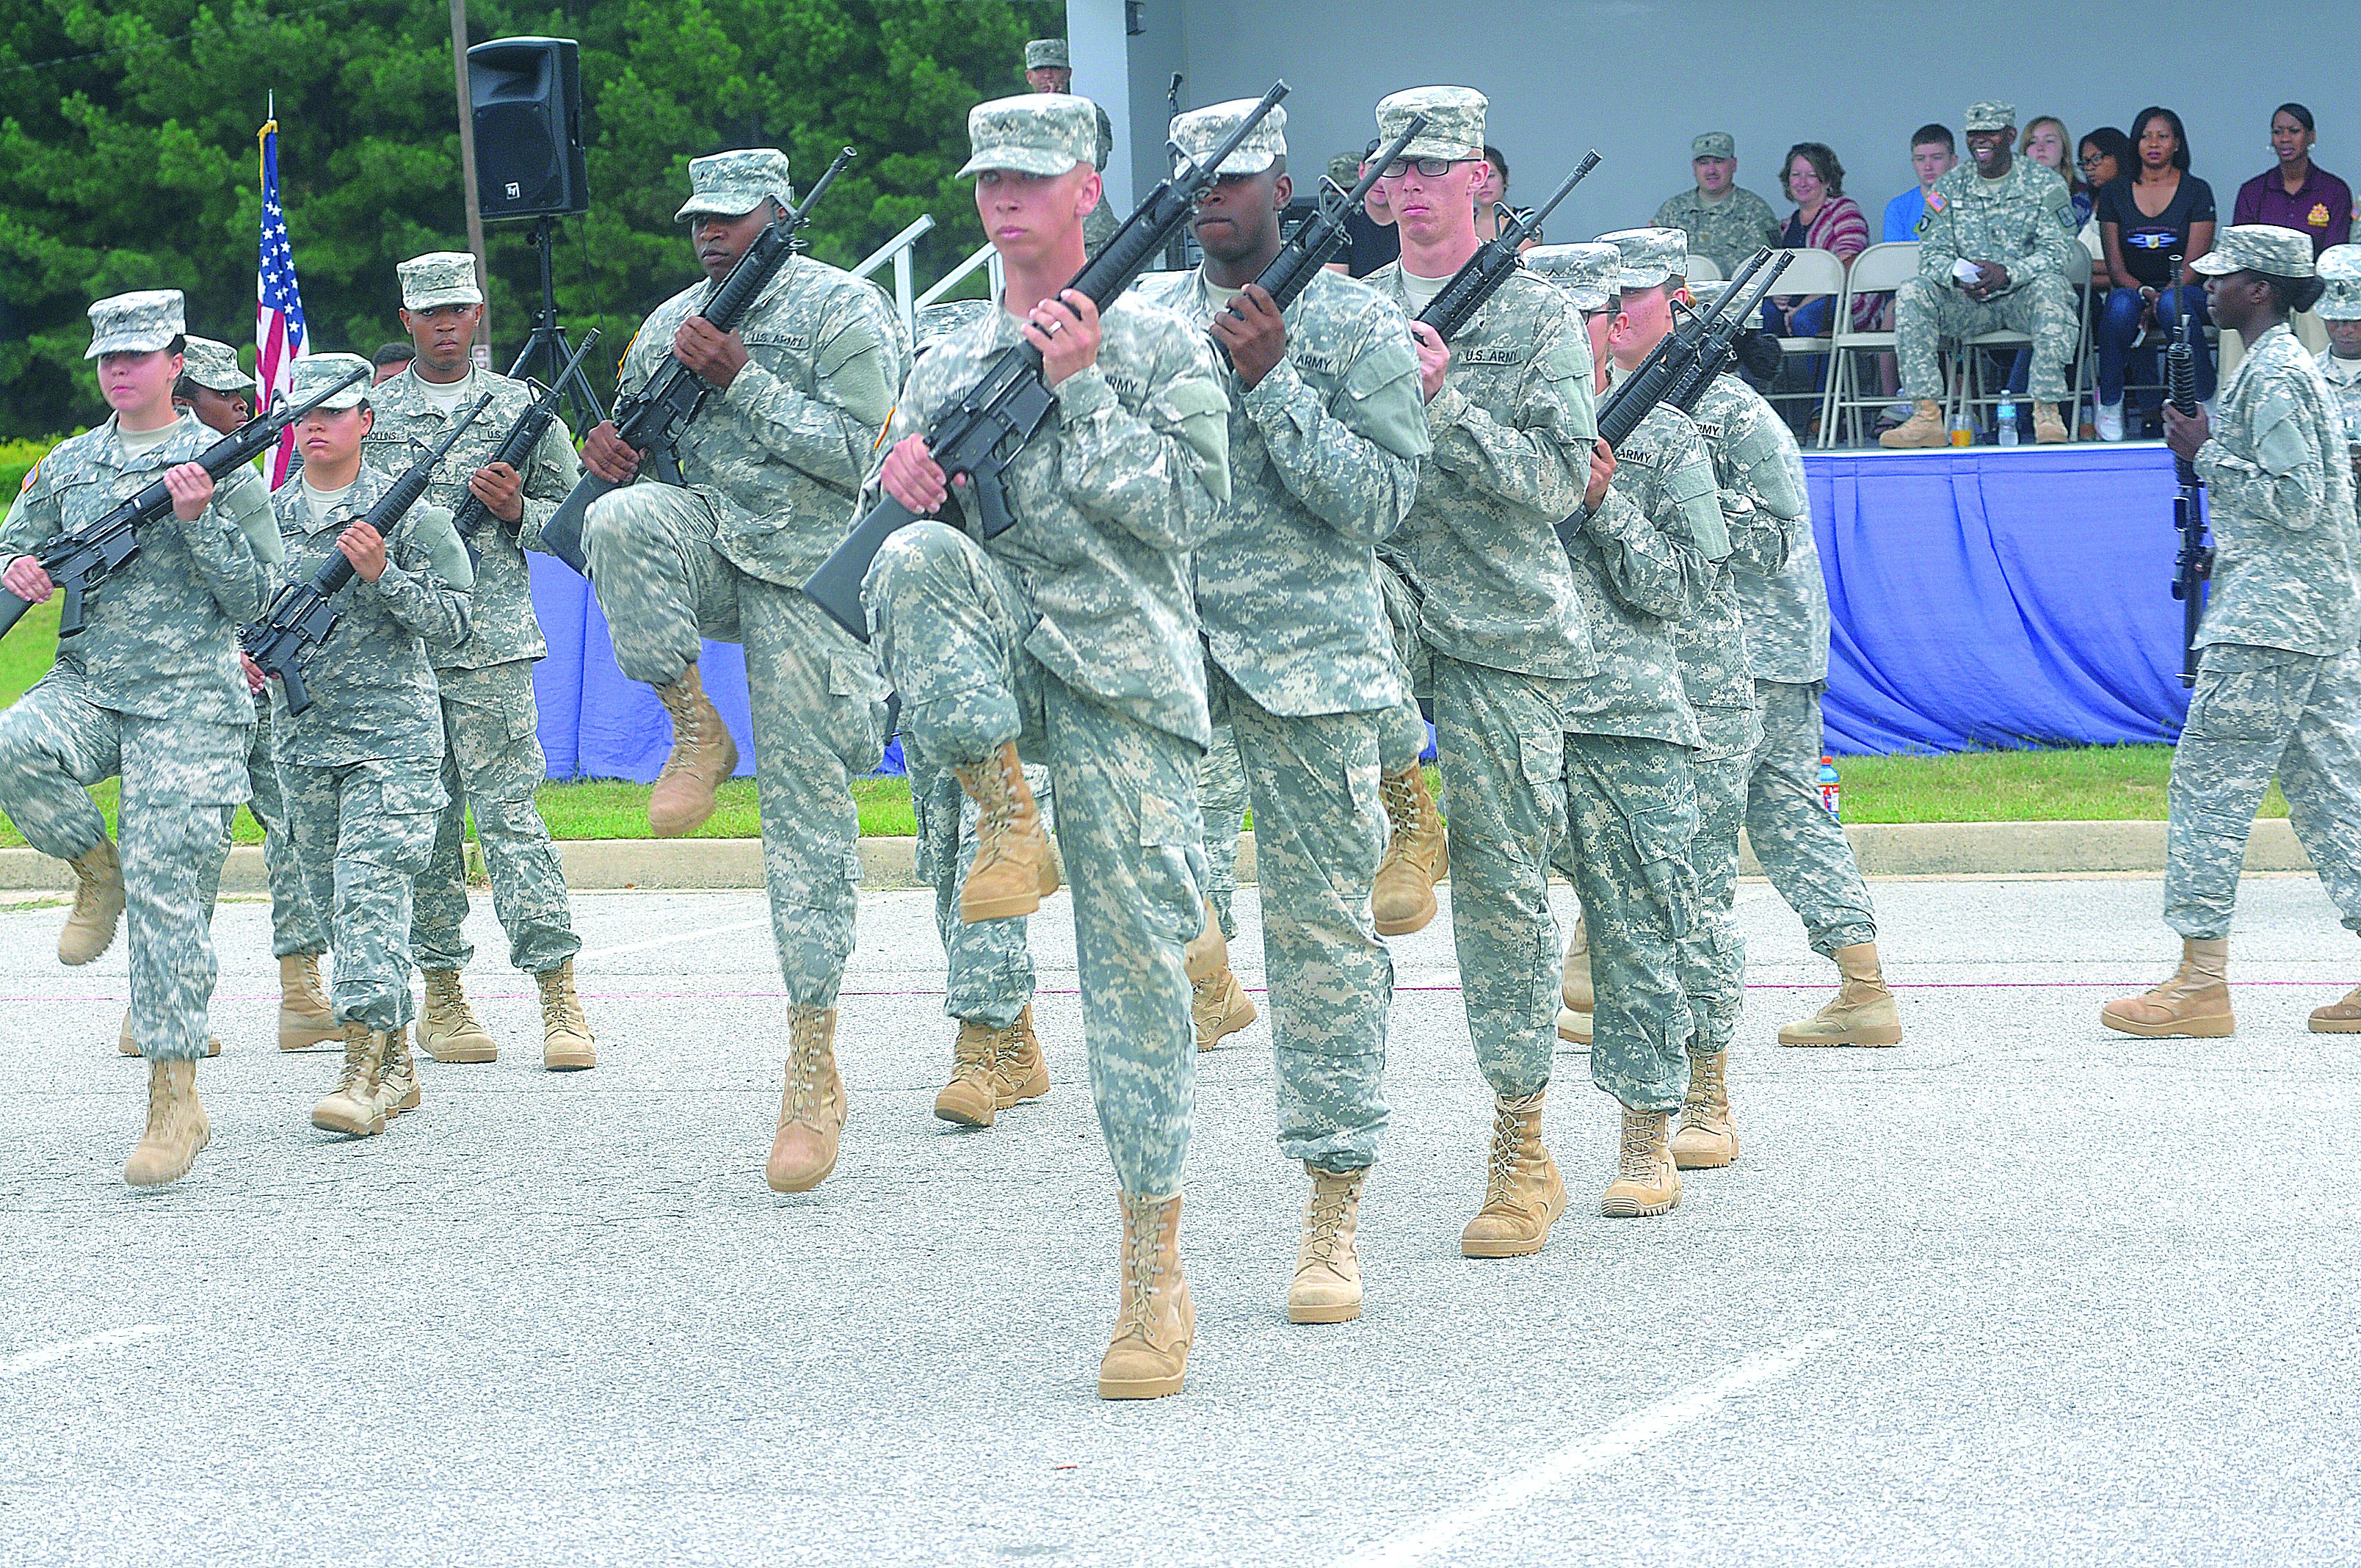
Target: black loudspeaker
(527,97)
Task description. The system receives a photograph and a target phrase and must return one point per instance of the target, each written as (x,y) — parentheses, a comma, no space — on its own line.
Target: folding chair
(1811,272)
(1701,269)
(1879,269)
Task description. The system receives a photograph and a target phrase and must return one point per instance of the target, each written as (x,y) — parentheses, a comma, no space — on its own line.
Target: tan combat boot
(177,1129)
(352,1107)
(1149,1356)
(97,905)
(1013,871)
(1860,1014)
(2194,1003)
(811,1107)
(1327,1286)
(1923,428)
(305,1019)
(2049,426)
(1575,995)
(396,1076)
(130,1048)
(1218,1004)
(2343,1017)
(977,1093)
(703,755)
(566,1045)
(1401,899)
(1523,1194)
(1646,1182)
(447,1028)
(1708,1137)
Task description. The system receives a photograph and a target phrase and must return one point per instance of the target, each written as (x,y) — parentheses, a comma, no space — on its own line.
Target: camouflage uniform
(1402,739)
(492,761)
(150,688)
(1073,635)
(1324,463)
(771,464)
(2024,221)
(2340,269)
(1221,802)
(1100,223)
(2278,683)
(1728,229)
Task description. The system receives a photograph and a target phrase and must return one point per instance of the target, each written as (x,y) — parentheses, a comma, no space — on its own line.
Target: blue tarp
(1982,598)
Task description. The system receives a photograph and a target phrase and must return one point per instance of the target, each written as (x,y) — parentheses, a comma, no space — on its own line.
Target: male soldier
(1993,250)
(150,688)
(1218,1004)
(803,385)
(1722,219)
(1074,632)
(2340,310)
(389,361)
(1326,431)
(492,758)
(362,765)
(1508,410)
(1049,68)
(2278,680)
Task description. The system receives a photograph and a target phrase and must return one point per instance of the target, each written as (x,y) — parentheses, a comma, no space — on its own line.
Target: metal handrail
(897,250)
(983,256)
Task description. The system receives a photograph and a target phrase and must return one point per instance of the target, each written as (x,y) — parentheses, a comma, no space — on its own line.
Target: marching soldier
(803,385)
(150,688)
(1326,431)
(1049,68)
(2340,312)
(1074,633)
(492,758)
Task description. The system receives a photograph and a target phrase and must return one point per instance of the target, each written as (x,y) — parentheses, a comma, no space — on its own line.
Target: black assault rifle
(1494,260)
(74,561)
(516,447)
(289,633)
(2195,563)
(1719,351)
(1682,350)
(976,438)
(651,420)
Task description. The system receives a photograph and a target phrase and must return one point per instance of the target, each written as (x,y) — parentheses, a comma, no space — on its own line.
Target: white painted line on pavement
(675,937)
(1628,1436)
(48,1354)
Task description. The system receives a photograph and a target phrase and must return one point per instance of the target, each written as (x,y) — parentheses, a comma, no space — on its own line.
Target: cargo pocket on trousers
(2243,695)
(408,807)
(1174,905)
(856,713)
(1660,835)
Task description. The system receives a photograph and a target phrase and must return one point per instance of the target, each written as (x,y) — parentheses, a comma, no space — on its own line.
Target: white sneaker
(2109,418)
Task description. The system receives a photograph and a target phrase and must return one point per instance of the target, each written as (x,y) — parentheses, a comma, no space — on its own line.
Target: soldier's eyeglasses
(1433,168)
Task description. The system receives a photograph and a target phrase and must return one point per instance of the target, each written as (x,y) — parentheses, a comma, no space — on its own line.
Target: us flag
(280,338)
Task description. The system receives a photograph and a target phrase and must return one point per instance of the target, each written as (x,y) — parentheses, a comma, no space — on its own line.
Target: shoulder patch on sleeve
(30,475)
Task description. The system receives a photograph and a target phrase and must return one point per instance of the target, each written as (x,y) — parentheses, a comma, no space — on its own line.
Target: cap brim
(243,384)
(435,297)
(139,344)
(1020,160)
(1239,162)
(1640,278)
(2212,264)
(1434,146)
(709,206)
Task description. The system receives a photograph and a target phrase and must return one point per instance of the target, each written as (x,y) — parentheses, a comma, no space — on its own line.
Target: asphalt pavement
(2019,1290)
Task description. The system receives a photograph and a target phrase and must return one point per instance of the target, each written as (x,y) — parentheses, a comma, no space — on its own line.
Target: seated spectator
(1723,221)
(2045,142)
(2103,156)
(2298,194)
(1491,193)
(2340,362)
(2161,212)
(1824,219)
(1993,253)
(1933,154)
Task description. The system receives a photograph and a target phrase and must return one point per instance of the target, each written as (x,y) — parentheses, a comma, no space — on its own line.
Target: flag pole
(483,345)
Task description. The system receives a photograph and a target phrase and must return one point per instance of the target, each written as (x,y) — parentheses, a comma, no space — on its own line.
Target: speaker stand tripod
(548,343)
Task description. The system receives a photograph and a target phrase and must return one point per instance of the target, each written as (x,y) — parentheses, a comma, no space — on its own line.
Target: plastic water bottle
(1831,789)
(2007,414)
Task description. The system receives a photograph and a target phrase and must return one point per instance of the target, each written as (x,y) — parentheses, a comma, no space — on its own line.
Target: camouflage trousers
(296,925)
(951,626)
(2044,307)
(1403,741)
(2256,711)
(990,964)
(1516,786)
(492,762)
(1713,953)
(1320,830)
(373,823)
(1804,850)
(178,774)
(818,705)
(1221,800)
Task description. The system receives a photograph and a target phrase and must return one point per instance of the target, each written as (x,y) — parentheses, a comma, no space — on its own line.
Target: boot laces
(1704,1084)
(1637,1162)
(1324,1224)
(445,998)
(976,1058)
(687,727)
(360,1055)
(89,884)
(560,1008)
(1143,1243)
(1508,1151)
(807,1063)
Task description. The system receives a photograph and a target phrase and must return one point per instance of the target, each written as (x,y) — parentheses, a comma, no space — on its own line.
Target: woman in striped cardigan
(1824,219)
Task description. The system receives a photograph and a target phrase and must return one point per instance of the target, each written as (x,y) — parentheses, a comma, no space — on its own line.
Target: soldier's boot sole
(1629,1202)
(1572,1027)
(1695,1148)
(2213,1026)
(352,1120)
(1322,1311)
(2333,1026)
(1417,920)
(967,1104)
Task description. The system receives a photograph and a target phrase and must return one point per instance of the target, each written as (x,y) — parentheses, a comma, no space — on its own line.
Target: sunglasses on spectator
(1433,168)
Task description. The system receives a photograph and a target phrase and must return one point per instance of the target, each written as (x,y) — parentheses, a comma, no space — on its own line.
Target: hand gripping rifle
(516,447)
(1473,284)
(2195,561)
(75,561)
(976,438)
(289,633)
(651,420)
(1677,354)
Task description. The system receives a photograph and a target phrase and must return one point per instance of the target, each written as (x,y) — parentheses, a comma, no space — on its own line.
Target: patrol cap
(1048,54)
(2340,268)
(1033,133)
(1454,121)
(213,366)
(135,323)
(1650,255)
(1587,273)
(1990,115)
(439,277)
(315,373)
(1713,144)
(1345,168)
(1199,131)
(732,184)
(2256,247)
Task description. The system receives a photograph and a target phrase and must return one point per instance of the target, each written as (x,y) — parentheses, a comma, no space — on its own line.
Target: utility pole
(482,348)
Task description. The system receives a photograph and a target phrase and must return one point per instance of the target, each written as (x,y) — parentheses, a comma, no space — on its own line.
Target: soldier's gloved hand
(912,476)
(1602,474)
(501,490)
(606,455)
(1434,359)
(1254,332)
(191,487)
(364,548)
(1065,331)
(716,355)
(27,581)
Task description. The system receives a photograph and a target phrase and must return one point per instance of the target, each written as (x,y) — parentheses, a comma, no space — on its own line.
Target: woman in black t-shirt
(2161,212)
